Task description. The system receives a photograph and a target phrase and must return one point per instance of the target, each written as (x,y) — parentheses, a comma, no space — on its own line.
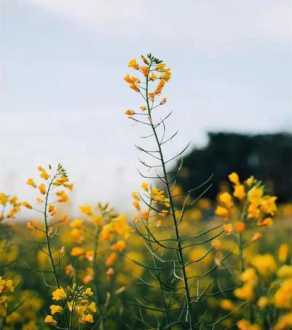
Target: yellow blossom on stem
(27,205)
(285,271)
(52,209)
(49,319)
(129,113)
(222,212)
(263,302)
(240,227)
(42,188)
(283,252)
(226,199)
(234,178)
(133,64)
(86,209)
(31,182)
(228,228)
(119,246)
(246,325)
(239,192)
(87,318)
(284,322)
(111,259)
(62,196)
(56,309)
(59,294)
(77,251)
(246,292)
(264,263)
(227,305)
(43,173)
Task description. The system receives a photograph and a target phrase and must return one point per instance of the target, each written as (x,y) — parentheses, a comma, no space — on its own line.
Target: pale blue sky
(62,96)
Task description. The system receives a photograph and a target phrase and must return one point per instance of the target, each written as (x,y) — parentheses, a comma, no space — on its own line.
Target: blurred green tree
(266,156)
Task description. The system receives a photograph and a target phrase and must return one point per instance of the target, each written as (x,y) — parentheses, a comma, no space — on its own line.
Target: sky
(62,96)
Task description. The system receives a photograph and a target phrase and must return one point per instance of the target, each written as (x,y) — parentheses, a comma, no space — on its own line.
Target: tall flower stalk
(160,201)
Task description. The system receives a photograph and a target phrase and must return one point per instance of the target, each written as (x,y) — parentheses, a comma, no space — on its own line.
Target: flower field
(177,261)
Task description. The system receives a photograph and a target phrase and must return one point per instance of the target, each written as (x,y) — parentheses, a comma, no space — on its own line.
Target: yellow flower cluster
(154,199)
(249,279)
(246,206)
(153,71)
(10,206)
(76,302)
(266,274)
(6,288)
(246,325)
(57,179)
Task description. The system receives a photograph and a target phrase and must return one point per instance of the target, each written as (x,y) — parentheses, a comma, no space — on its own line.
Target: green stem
(172,208)
(48,241)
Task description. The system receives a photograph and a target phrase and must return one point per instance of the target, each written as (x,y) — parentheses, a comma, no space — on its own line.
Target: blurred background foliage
(268,157)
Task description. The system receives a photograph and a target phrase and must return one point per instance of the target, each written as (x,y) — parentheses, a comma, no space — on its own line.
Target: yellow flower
(153,77)
(159,87)
(87,318)
(129,113)
(56,309)
(145,186)
(216,244)
(246,325)
(263,302)
(265,264)
(234,178)
(283,297)
(59,294)
(62,196)
(3,199)
(50,320)
(239,192)
(222,212)
(77,251)
(31,182)
(52,209)
(88,292)
(228,228)
(119,246)
(226,199)
(284,322)
(166,75)
(250,181)
(249,276)
(268,205)
(255,194)
(86,209)
(43,173)
(76,223)
(256,236)
(144,70)
(227,305)
(267,222)
(42,188)
(92,307)
(133,64)
(246,292)
(27,205)
(283,252)
(285,271)
(253,211)
(240,227)
(133,82)
(111,259)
